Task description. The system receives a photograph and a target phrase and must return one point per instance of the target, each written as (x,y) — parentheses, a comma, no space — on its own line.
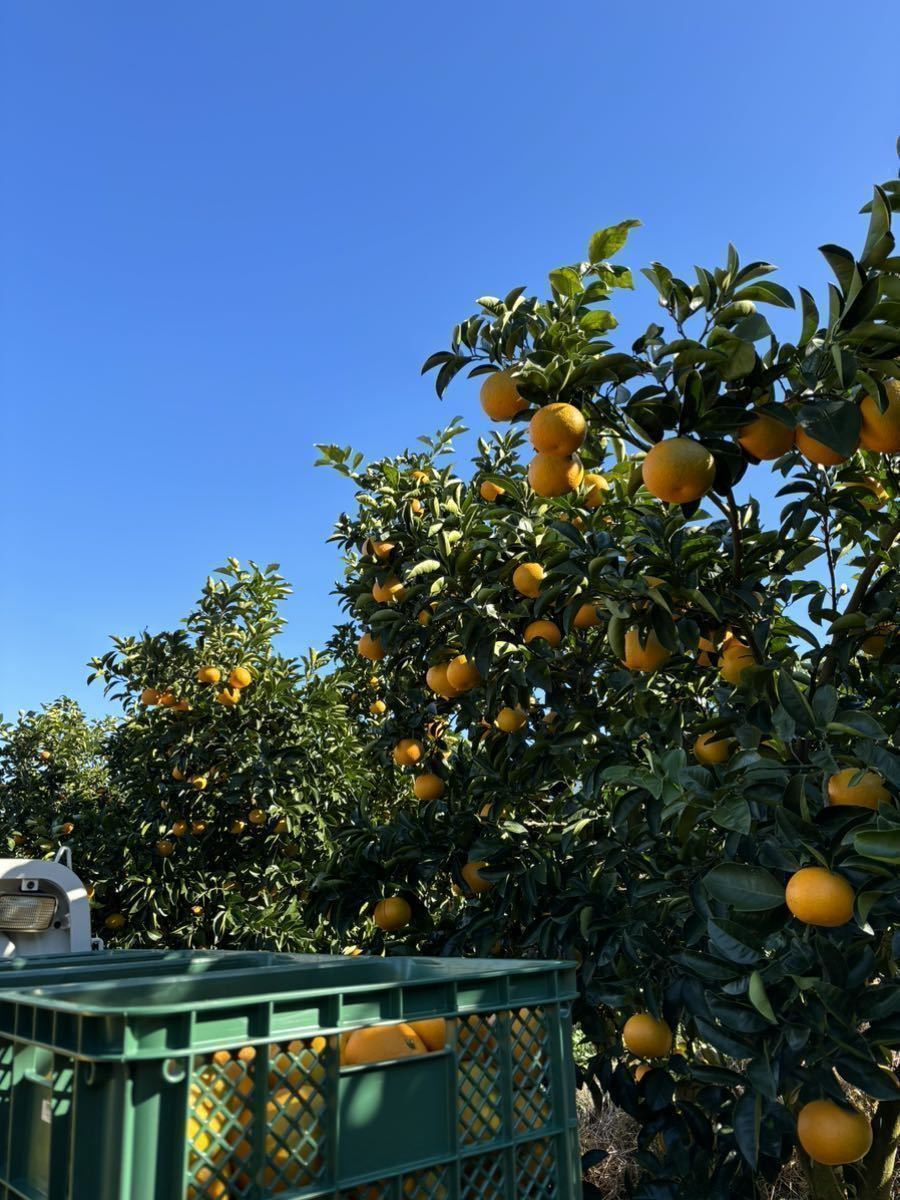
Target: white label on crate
(45,1111)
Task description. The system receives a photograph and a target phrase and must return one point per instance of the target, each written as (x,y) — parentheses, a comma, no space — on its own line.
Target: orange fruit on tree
(421,476)
(428,786)
(45,755)
(596,490)
(734,659)
(833,1135)
(240,677)
(256,816)
(586,617)
(236,827)
(527,578)
(646,1036)
(880,431)
(765,437)
(816,451)
(164,848)
(817,896)
(181,706)
(545,631)
(436,679)
(462,674)
(678,470)
(370,647)
(229,697)
(500,397)
(381,1043)
(873,645)
(377,708)
(115,921)
(474,880)
(208,675)
(869,792)
(177,774)
(557,429)
(373,547)
(179,828)
(640,1071)
(490,491)
(433,1032)
(392,913)
(199,782)
(166,700)
(510,720)
(549,475)
(388,592)
(645,655)
(198,827)
(707,652)
(408,752)
(149,696)
(417,508)
(710,750)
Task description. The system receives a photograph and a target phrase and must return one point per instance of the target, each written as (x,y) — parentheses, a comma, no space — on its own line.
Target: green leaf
(834,422)
(607,242)
(882,845)
(793,700)
(810,317)
(598,321)
(566,282)
(767,292)
(842,263)
(422,568)
(744,888)
(759,997)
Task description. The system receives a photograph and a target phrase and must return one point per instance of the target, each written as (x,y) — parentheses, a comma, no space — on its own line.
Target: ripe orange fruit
(527,578)
(646,656)
(377,707)
(240,677)
(678,470)
(381,550)
(381,1043)
(765,437)
(544,630)
(880,431)
(868,793)
(421,476)
(179,828)
(490,491)
(436,678)
(236,827)
(408,752)
(198,827)
(66,828)
(510,720)
(646,1036)
(424,617)
(177,774)
(873,645)
(640,1071)
(208,675)
(586,617)
(596,490)
(256,816)
(417,508)
(500,397)
(734,659)
(392,913)
(557,429)
(166,700)
(370,648)
(148,696)
(428,786)
(199,782)
(707,653)
(709,749)
(388,592)
(280,826)
(45,755)
(164,848)
(816,452)
(817,896)
(228,697)
(462,675)
(473,878)
(433,1033)
(549,475)
(181,706)
(833,1135)
(115,921)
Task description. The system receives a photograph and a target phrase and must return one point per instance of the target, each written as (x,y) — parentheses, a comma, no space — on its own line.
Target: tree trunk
(878,1165)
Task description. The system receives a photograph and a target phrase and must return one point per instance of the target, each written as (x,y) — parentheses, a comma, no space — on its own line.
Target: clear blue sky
(229,231)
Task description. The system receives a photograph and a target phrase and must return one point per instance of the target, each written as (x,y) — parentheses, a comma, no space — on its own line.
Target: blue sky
(229,231)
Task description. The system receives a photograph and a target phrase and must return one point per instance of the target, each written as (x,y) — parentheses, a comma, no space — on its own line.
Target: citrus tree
(55,786)
(236,762)
(629,722)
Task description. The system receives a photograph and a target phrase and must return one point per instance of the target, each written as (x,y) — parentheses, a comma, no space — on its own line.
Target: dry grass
(613,1131)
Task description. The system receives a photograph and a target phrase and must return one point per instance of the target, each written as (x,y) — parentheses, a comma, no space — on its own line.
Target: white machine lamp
(44,908)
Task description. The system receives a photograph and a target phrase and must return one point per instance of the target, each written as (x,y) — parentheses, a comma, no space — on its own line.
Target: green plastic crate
(170,1075)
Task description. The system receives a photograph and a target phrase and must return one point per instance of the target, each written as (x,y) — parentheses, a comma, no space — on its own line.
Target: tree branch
(878,1165)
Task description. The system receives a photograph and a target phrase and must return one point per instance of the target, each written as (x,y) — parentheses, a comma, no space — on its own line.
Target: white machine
(44,908)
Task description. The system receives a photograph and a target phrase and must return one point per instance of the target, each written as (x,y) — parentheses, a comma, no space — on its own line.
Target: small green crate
(170,1075)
